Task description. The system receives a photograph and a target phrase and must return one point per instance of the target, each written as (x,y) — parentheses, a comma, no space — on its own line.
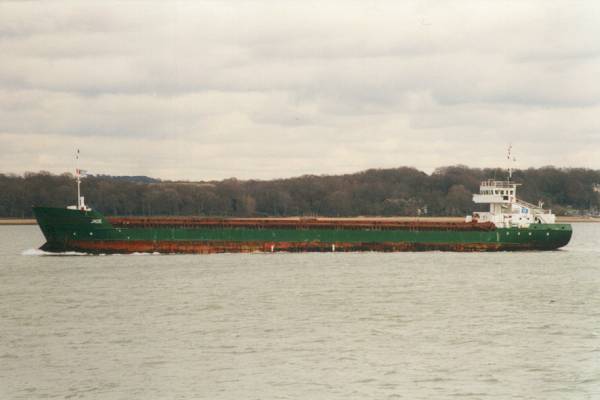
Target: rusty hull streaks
(206,247)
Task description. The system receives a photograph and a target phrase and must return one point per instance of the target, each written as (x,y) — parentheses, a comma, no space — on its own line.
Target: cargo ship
(510,224)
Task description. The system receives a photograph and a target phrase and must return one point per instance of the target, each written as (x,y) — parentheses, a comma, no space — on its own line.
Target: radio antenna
(511,159)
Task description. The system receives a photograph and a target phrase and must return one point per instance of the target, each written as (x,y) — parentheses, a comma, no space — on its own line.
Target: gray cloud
(266,89)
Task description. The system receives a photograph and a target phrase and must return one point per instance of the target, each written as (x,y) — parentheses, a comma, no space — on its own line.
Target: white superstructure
(506,209)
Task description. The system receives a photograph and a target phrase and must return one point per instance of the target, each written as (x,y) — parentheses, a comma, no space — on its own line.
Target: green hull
(90,231)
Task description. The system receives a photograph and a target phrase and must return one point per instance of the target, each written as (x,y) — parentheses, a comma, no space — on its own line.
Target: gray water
(300,326)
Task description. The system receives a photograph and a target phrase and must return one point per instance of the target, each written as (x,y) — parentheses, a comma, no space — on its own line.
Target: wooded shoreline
(405,191)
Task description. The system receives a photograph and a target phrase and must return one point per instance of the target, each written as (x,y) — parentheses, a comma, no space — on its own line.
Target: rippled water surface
(300,326)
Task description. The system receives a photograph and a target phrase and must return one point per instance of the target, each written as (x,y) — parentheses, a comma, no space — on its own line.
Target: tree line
(376,192)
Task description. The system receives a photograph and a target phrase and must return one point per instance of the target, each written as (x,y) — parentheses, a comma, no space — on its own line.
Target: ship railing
(499,184)
(175,222)
(533,207)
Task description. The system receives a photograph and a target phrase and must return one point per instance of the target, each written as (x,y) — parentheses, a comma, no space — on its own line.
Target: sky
(270,89)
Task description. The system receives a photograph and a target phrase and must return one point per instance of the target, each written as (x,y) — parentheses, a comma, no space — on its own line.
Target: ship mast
(79,173)
(78,176)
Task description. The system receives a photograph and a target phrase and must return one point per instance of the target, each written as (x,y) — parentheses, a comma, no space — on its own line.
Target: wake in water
(38,252)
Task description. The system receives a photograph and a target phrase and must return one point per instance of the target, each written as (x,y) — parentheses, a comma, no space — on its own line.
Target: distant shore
(565,219)
(17,221)
(577,219)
